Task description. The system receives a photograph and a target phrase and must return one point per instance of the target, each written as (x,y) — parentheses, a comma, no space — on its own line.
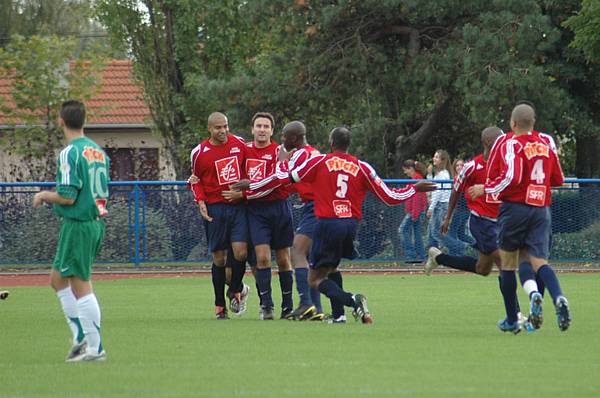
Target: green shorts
(78,244)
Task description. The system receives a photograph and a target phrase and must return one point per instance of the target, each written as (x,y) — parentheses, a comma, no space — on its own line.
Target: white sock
(530,286)
(89,315)
(68,303)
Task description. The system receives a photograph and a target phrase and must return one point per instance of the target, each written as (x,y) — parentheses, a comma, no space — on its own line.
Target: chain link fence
(158,222)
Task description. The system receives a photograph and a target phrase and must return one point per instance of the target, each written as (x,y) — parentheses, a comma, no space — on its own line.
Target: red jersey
(417,204)
(342,182)
(473,173)
(260,164)
(523,168)
(217,167)
(281,177)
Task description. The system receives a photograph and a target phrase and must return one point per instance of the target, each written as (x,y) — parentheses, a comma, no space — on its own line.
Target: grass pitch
(432,337)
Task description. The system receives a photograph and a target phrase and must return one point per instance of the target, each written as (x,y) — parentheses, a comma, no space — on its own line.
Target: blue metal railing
(157,221)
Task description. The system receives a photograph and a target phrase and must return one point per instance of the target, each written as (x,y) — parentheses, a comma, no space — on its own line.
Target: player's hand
(283,154)
(429,213)
(232,195)
(193,179)
(476,191)
(241,185)
(425,186)
(204,211)
(444,226)
(38,198)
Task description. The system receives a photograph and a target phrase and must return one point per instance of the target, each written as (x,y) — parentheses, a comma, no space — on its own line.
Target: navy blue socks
(286,282)
(218,280)
(337,309)
(330,289)
(464,263)
(302,286)
(263,280)
(549,278)
(508,286)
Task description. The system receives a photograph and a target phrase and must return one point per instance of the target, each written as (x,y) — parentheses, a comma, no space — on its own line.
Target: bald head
(293,135)
(339,138)
(215,118)
(489,136)
(522,118)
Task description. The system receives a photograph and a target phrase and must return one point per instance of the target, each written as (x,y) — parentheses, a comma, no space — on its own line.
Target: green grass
(432,337)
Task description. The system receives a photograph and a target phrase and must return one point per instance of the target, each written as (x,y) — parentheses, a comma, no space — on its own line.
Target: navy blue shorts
(485,232)
(229,225)
(306,225)
(525,227)
(271,223)
(333,240)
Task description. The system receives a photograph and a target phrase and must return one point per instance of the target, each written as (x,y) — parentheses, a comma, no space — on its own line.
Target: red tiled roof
(119,100)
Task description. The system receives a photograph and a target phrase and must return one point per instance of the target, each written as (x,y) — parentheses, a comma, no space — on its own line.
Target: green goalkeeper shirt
(82,175)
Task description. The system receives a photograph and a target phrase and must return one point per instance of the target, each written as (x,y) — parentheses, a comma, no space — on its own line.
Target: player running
(217,163)
(342,182)
(80,200)
(522,169)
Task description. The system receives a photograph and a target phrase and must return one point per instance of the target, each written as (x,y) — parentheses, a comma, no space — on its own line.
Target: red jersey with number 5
(217,167)
(523,169)
(341,182)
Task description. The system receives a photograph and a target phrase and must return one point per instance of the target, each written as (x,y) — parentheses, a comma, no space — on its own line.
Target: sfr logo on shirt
(342,208)
(228,170)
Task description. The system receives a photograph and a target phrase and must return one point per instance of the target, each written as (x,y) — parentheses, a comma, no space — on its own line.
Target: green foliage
(586,25)
(408,76)
(44,74)
(574,246)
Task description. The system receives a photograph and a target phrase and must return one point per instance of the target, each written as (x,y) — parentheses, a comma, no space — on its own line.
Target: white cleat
(431,264)
(89,357)
(242,300)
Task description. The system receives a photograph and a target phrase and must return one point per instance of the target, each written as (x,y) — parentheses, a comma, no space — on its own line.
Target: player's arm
(457,189)
(391,196)
(68,181)
(306,171)
(509,167)
(557,178)
(51,197)
(194,181)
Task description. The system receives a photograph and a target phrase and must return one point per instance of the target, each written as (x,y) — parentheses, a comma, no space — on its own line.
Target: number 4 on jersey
(537,172)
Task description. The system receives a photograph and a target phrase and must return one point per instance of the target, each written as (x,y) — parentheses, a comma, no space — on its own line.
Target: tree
(44,74)
(586,25)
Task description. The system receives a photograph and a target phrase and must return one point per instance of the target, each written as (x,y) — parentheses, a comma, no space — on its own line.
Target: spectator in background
(441,170)
(412,224)
(458,226)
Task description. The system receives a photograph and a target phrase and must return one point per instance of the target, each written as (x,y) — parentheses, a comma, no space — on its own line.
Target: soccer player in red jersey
(521,171)
(218,163)
(482,221)
(342,182)
(295,147)
(269,218)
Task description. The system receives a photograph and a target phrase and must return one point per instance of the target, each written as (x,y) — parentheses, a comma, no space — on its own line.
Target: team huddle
(242,191)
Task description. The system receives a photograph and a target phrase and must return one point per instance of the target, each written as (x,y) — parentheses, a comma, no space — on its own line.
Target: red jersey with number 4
(342,181)
(474,173)
(217,167)
(260,164)
(523,169)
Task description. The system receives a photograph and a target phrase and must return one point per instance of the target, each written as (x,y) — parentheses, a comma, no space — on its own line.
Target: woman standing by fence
(412,224)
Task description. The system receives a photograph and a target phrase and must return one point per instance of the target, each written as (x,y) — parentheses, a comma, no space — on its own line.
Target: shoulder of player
(238,139)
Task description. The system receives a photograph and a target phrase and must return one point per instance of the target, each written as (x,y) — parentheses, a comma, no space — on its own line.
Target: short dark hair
(265,115)
(73,114)
(340,138)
